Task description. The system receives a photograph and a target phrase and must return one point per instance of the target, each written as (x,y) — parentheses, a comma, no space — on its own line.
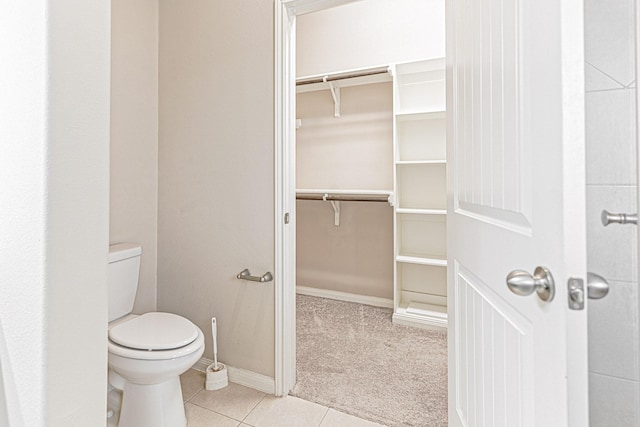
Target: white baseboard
(420,321)
(345,296)
(243,377)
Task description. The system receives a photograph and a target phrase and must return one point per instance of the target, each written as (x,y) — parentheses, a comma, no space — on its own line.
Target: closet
(370,168)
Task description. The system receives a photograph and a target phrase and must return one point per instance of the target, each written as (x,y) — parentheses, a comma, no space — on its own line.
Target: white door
(516,201)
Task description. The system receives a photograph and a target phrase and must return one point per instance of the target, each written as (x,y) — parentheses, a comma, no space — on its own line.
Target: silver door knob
(597,286)
(522,283)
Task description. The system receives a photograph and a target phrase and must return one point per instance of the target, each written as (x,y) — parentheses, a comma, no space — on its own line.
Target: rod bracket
(335,94)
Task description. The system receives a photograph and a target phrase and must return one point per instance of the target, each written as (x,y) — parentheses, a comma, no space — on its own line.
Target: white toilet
(148,352)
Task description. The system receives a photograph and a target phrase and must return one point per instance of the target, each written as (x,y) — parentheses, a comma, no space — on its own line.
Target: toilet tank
(122,281)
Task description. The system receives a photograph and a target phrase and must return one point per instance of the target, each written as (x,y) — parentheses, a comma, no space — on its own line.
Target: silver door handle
(522,283)
(597,286)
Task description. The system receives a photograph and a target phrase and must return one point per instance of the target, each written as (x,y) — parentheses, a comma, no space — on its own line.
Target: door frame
(285,15)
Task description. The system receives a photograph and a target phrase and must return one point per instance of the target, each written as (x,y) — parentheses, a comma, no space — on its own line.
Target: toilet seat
(154,331)
(154,336)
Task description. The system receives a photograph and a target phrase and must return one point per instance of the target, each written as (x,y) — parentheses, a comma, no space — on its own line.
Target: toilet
(147,352)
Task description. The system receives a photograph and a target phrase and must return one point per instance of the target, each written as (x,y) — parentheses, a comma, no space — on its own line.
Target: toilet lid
(154,331)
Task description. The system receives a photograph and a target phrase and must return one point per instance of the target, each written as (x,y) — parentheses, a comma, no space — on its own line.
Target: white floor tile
(339,419)
(200,417)
(286,411)
(234,401)
(192,382)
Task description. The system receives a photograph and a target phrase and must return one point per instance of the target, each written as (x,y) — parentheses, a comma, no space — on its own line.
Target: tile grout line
(194,395)
(324,416)
(610,77)
(215,412)
(254,407)
(614,377)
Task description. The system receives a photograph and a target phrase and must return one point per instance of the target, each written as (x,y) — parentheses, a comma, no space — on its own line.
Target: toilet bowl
(147,354)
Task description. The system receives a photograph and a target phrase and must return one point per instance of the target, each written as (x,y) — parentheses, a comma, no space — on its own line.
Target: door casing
(285,15)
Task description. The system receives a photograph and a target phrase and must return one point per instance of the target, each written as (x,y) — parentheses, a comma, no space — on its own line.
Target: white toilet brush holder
(217,377)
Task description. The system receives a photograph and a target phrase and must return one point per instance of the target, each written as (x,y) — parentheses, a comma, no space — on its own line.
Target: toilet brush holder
(216,378)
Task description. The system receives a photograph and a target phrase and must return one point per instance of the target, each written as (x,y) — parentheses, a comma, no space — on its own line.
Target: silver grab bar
(246,275)
(618,218)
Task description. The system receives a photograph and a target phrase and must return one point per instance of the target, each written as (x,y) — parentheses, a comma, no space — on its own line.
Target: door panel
(491,182)
(515,201)
(494,348)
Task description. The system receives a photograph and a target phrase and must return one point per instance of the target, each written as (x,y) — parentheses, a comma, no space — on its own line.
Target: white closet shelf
(421,115)
(421,211)
(431,260)
(421,162)
(418,112)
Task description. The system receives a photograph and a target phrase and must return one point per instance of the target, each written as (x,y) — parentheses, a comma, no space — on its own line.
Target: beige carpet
(352,358)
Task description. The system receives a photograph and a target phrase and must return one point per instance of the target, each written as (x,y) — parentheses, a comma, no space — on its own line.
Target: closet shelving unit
(420,297)
(418,195)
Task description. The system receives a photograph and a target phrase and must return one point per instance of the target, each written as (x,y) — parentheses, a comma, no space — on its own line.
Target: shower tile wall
(614,332)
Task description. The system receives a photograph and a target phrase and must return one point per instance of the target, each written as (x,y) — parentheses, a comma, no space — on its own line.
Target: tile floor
(236,405)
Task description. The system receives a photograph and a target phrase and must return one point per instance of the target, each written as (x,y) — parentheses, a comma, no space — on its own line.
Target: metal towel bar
(618,218)
(246,275)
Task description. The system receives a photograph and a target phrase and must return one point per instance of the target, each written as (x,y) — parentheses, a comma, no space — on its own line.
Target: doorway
(285,286)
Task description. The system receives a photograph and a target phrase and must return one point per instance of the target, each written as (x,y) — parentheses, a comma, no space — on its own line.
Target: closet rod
(342,76)
(345,197)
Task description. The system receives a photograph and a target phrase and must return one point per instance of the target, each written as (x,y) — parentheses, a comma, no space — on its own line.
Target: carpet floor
(352,358)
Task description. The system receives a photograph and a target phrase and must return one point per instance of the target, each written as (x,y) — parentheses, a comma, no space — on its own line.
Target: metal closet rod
(330,78)
(345,197)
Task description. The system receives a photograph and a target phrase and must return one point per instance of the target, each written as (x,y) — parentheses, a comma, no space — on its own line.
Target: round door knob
(522,283)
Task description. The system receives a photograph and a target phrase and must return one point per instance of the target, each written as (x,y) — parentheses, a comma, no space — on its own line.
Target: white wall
(54,202)
(216,173)
(369,33)
(134,137)
(614,329)
(22,211)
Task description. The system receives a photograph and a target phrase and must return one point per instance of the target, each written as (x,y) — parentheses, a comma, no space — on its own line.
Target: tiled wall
(614,332)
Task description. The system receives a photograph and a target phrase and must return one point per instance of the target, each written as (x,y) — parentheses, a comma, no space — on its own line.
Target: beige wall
(134,136)
(369,33)
(216,173)
(356,257)
(54,170)
(354,152)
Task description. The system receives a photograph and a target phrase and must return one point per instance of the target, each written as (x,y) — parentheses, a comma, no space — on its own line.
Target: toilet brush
(216,372)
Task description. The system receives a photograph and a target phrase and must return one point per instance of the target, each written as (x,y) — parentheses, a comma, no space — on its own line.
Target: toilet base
(155,405)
